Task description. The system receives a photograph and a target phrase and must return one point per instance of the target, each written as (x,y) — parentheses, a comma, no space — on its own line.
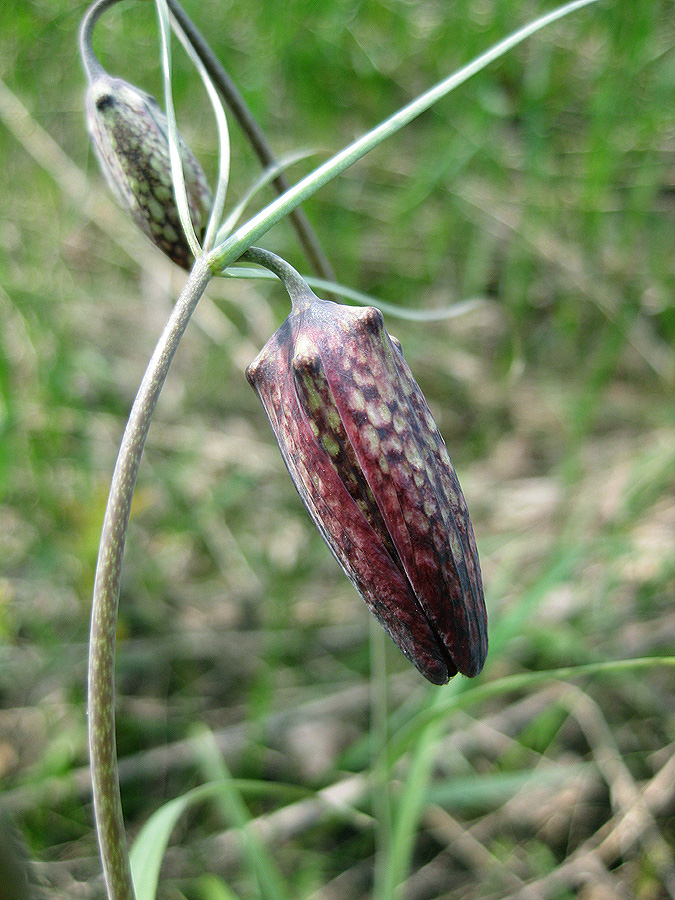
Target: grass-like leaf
(447,703)
(264,179)
(248,234)
(150,845)
(212,888)
(153,839)
(271,883)
(359,298)
(487,791)
(223,138)
(180,190)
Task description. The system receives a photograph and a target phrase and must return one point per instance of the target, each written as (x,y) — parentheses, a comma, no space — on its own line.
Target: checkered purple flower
(373,471)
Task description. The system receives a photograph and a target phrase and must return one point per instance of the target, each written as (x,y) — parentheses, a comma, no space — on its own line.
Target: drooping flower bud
(373,471)
(129,132)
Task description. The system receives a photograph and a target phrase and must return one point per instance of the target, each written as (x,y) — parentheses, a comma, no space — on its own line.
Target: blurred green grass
(544,186)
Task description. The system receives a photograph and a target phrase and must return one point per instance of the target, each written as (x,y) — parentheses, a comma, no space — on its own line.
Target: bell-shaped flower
(129,132)
(371,467)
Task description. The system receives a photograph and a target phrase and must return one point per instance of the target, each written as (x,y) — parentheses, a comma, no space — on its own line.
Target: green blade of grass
(271,883)
(412,800)
(150,845)
(487,791)
(212,888)
(422,736)
(438,712)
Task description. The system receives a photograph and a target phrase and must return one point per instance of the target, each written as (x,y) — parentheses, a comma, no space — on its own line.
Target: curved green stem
(294,283)
(101,707)
(92,67)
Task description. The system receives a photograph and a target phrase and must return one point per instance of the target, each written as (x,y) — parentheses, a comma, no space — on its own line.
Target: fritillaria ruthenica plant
(354,429)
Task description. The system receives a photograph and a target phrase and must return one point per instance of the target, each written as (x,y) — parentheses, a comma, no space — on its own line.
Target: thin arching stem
(92,67)
(101,694)
(294,283)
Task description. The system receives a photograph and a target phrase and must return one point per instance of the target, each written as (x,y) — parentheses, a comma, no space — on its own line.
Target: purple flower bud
(129,131)
(373,471)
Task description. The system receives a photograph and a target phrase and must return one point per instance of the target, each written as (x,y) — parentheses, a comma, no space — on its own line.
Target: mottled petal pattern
(130,135)
(372,469)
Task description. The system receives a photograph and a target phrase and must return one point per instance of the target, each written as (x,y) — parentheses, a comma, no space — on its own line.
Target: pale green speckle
(362,378)
(378,413)
(356,400)
(333,418)
(163,192)
(331,446)
(399,423)
(413,456)
(155,209)
(371,440)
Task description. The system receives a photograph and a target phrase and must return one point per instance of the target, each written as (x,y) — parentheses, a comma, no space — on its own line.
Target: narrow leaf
(232,248)
(235,811)
(150,845)
(223,140)
(178,177)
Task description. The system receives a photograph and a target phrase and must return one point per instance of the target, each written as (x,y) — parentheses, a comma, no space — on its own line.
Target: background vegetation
(545,187)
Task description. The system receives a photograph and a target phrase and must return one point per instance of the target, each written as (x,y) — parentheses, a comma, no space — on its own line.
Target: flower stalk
(101,687)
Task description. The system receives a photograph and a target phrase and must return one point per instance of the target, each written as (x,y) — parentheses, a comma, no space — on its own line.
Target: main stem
(101,707)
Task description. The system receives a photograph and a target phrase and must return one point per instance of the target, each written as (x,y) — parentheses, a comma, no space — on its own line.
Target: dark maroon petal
(463,626)
(404,459)
(373,471)
(343,525)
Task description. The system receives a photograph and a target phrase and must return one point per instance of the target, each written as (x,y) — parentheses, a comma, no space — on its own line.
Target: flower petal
(405,461)
(129,132)
(356,545)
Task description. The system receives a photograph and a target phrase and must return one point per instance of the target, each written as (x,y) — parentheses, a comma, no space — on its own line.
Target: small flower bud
(130,135)
(373,471)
